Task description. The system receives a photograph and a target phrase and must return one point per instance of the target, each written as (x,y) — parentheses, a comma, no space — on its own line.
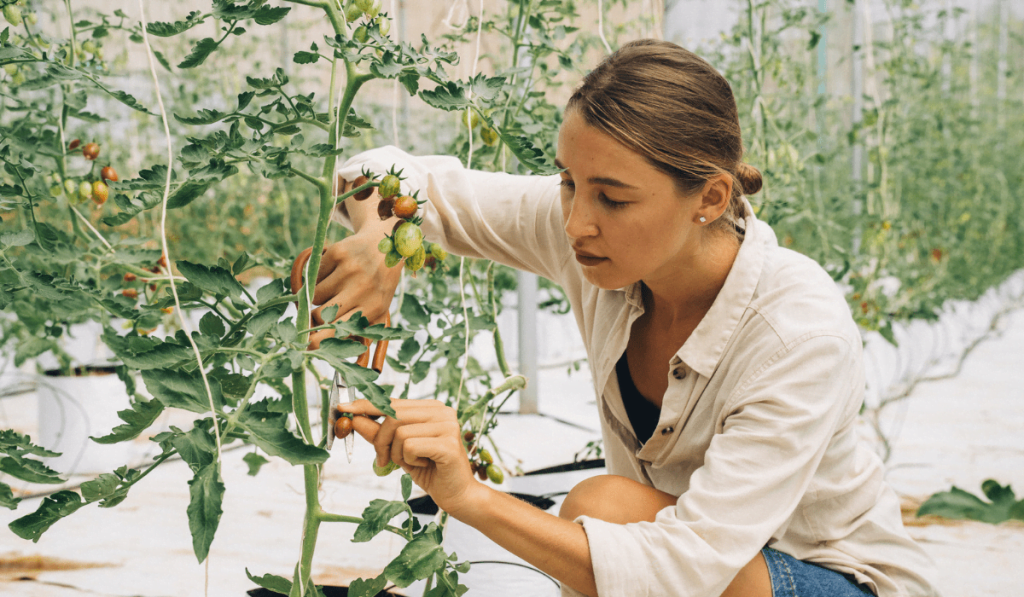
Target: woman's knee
(614,499)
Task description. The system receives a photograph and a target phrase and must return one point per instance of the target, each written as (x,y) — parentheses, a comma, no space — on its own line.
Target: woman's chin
(606,280)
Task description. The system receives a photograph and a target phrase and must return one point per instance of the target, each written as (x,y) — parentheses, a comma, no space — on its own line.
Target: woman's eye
(567,184)
(613,204)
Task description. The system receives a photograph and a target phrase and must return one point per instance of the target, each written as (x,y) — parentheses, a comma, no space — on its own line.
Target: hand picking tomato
(91,151)
(405,207)
(342,427)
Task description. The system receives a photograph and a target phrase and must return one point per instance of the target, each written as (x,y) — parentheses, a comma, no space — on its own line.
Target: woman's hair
(670,106)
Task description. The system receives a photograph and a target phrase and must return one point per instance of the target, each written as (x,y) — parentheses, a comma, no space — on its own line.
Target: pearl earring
(703,219)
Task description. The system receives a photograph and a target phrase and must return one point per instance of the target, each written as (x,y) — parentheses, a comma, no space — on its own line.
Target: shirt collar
(703,350)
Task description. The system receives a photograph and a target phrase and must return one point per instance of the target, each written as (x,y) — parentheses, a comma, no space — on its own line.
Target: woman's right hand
(352,273)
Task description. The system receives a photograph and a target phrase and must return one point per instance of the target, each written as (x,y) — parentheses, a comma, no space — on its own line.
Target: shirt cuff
(621,566)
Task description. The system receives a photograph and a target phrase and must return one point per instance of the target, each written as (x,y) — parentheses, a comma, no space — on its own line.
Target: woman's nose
(579,221)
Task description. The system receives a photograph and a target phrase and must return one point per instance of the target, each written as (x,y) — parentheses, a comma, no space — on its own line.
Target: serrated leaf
(269,432)
(162,60)
(146,353)
(53,508)
(206,493)
(449,96)
(255,461)
(268,15)
(414,313)
(376,517)
(959,504)
(200,52)
(205,116)
(528,155)
(127,99)
(17,239)
(418,560)
(197,447)
(211,325)
(270,291)
(188,192)
(182,389)
(406,486)
(170,29)
(261,323)
(100,488)
(137,419)
(7,499)
(303,57)
(367,588)
(271,582)
(32,471)
(212,279)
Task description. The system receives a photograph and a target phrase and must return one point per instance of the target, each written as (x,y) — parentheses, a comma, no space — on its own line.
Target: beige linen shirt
(757,429)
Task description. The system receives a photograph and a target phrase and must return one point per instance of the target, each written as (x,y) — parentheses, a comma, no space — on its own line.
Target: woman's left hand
(426,441)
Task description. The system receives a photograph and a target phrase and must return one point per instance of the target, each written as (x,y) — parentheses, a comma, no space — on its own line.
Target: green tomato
(12,69)
(363,5)
(415,262)
(360,34)
(470,118)
(84,190)
(495,474)
(485,456)
(373,9)
(89,46)
(392,259)
(408,239)
(56,190)
(385,245)
(13,15)
(70,188)
(389,186)
(353,12)
(18,78)
(31,18)
(438,253)
(489,136)
(384,24)
(384,471)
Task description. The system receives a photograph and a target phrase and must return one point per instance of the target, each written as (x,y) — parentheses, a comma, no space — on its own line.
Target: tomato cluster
(482,462)
(96,189)
(406,239)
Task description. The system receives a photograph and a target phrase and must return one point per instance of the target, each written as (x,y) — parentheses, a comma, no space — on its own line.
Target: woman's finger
(319,336)
(367,428)
(417,430)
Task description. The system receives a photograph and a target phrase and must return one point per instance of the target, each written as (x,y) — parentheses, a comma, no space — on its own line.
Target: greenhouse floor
(957,431)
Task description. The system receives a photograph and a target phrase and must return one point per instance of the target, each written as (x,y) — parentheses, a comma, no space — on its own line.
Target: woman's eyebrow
(602,180)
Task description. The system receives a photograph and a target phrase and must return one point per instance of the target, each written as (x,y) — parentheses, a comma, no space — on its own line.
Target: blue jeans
(795,578)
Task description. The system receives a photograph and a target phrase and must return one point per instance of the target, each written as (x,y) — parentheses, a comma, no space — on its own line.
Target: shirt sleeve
(755,473)
(514,220)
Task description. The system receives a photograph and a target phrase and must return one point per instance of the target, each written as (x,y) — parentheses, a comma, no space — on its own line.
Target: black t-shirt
(643,414)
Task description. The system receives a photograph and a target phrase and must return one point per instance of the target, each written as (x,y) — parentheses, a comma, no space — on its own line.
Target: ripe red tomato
(100,192)
(91,151)
(405,207)
(130,293)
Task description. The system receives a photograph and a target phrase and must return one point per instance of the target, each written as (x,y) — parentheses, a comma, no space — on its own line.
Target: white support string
(600,26)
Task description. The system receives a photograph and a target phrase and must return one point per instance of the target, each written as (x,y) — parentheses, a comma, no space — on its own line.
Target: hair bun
(749,177)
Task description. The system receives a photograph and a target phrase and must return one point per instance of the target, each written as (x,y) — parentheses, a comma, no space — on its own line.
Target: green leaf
(528,155)
(187,193)
(303,57)
(367,588)
(101,487)
(17,239)
(7,498)
(270,433)
(137,419)
(418,560)
(142,353)
(255,461)
(410,348)
(215,280)
(162,60)
(53,508)
(206,493)
(270,291)
(128,100)
(205,116)
(335,351)
(261,323)
(32,471)
(268,15)
(170,29)
(959,504)
(271,582)
(406,486)
(181,389)
(376,517)
(449,96)
(200,52)
(211,325)
(414,313)
(197,447)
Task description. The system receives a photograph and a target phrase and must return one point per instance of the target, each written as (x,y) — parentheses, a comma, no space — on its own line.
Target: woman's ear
(715,198)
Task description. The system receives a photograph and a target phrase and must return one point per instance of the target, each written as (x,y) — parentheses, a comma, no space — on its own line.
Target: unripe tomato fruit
(342,427)
(74,144)
(130,293)
(108,173)
(363,5)
(56,190)
(353,12)
(373,9)
(100,192)
(389,186)
(415,262)
(485,456)
(384,25)
(129,277)
(11,69)
(383,471)
(405,207)
(385,207)
(84,190)
(70,188)
(438,252)
(13,15)
(31,18)
(392,259)
(385,245)
(91,151)
(489,136)
(408,239)
(361,34)
(495,474)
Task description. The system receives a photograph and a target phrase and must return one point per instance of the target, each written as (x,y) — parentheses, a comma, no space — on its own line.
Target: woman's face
(624,218)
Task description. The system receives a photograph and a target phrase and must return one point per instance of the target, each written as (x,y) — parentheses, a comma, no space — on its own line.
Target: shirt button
(679,374)
(667,430)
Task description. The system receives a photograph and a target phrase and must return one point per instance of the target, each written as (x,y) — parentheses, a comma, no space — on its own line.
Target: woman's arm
(425,442)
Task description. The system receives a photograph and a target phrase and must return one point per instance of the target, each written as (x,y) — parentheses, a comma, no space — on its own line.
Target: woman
(728,370)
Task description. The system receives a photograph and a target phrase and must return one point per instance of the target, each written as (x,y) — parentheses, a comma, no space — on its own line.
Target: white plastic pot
(73,408)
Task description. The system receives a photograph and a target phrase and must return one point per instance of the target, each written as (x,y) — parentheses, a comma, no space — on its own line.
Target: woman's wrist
(471,504)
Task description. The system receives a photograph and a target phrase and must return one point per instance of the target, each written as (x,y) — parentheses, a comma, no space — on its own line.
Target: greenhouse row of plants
(165,167)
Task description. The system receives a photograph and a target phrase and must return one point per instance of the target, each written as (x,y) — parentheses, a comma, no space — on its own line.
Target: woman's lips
(589,259)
